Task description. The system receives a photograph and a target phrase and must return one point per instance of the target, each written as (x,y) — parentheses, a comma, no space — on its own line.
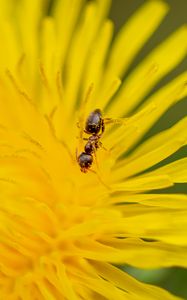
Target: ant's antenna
(100,178)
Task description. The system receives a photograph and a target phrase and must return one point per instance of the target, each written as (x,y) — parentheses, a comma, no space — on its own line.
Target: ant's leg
(121,121)
(79,136)
(76,155)
(102,127)
(101,146)
(100,179)
(86,131)
(98,173)
(95,156)
(105,149)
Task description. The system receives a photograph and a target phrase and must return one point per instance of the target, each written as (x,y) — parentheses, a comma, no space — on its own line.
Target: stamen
(50,125)
(6,145)
(44,77)
(32,140)
(60,88)
(20,62)
(18,90)
(8,180)
(36,155)
(52,113)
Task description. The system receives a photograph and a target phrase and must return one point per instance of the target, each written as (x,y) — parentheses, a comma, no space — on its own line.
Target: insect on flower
(67,226)
(95,127)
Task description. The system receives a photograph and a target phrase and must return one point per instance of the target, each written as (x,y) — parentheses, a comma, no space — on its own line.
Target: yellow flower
(62,232)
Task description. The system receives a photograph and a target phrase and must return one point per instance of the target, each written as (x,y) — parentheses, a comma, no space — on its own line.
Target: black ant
(95,127)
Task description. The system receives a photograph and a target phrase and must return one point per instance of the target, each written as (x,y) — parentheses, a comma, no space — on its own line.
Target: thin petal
(146,254)
(154,150)
(133,251)
(32,12)
(143,184)
(167,226)
(162,60)
(130,40)
(62,10)
(96,65)
(155,200)
(134,288)
(126,136)
(78,55)
(56,274)
(177,171)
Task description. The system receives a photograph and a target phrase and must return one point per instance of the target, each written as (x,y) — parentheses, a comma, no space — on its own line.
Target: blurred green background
(174,279)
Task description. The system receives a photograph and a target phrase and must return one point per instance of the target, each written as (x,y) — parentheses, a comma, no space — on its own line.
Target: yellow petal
(162,60)
(144,183)
(136,290)
(124,137)
(32,12)
(85,34)
(6,9)
(9,59)
(154,150)
(96,65)
(103,288)
(130,40)
(55,272)
(177,171)
(146,254)
(156,200)
(62,10)
(165,225)
(48,67)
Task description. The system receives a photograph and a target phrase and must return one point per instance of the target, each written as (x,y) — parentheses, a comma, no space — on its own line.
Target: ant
(95,127)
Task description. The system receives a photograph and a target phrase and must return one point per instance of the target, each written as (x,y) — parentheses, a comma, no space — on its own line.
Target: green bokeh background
(173,279)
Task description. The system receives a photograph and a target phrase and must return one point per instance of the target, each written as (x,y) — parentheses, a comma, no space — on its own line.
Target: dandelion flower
(63,233)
